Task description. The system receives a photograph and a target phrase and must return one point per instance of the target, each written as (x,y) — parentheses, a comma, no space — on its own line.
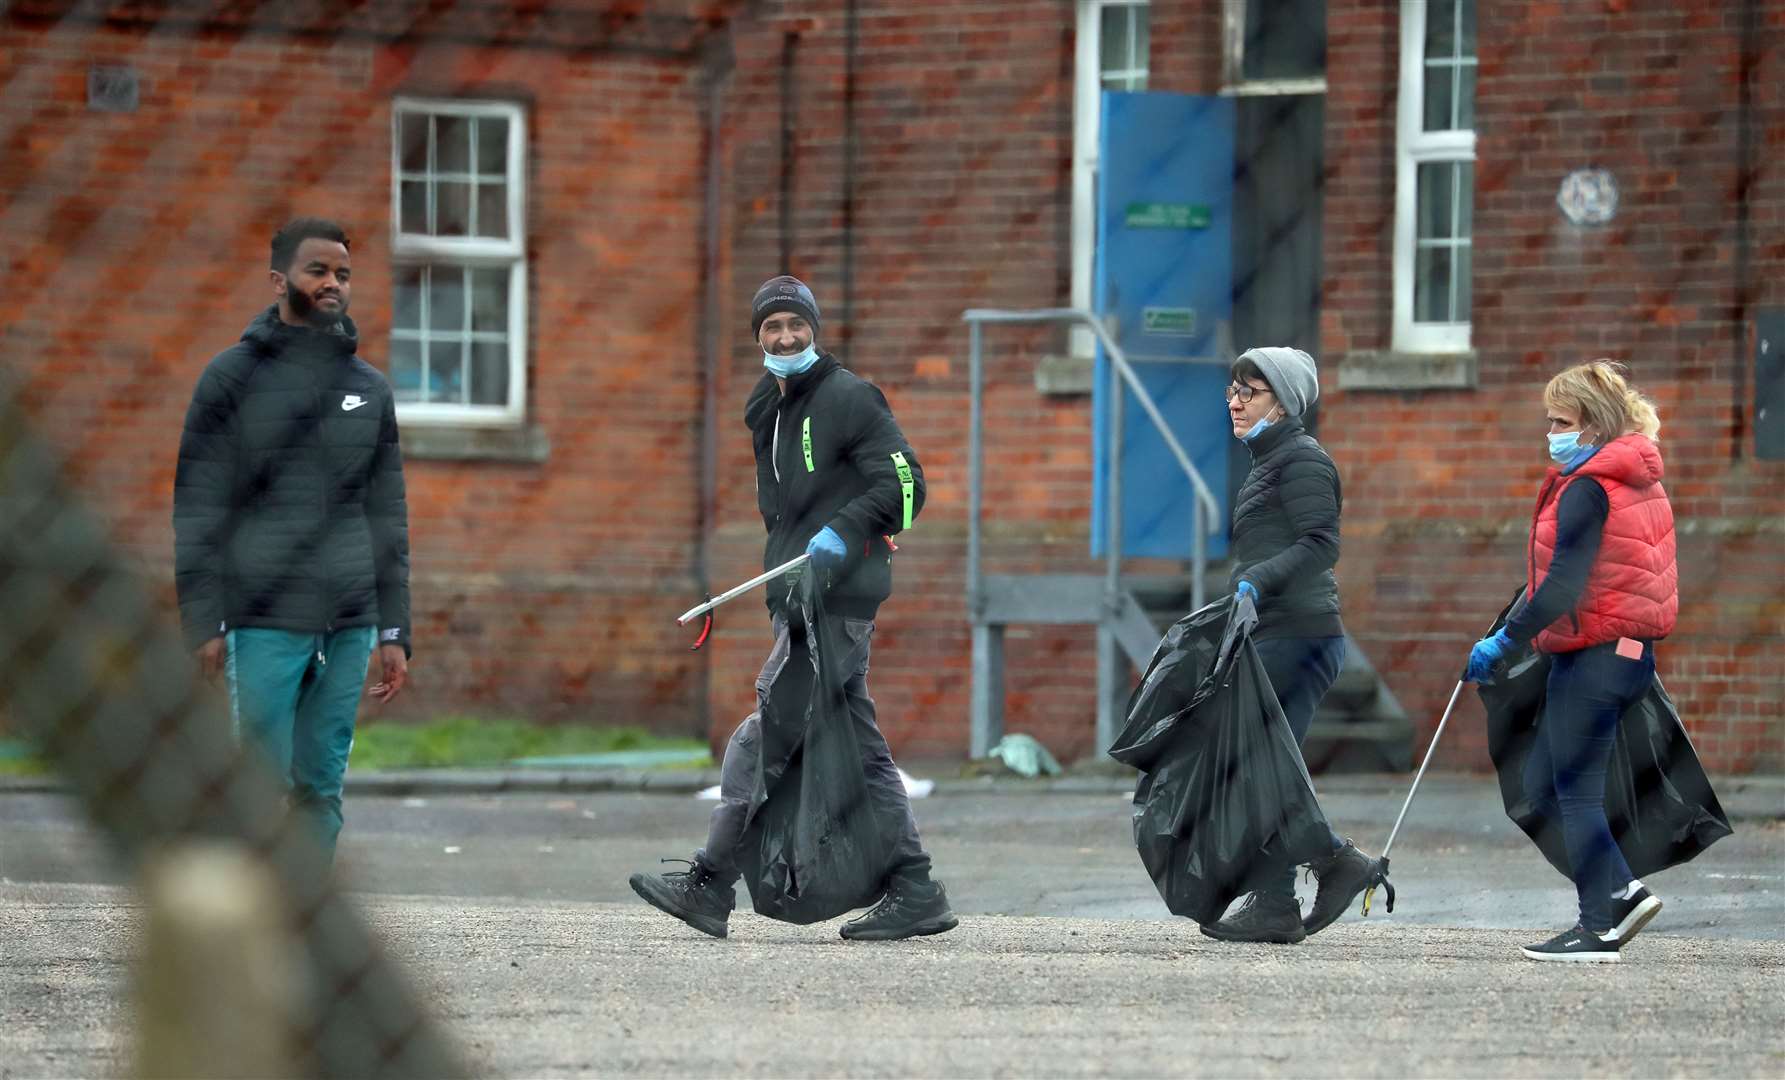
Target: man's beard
(309,313)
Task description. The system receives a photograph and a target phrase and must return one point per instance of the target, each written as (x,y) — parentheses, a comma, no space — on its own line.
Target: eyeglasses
(1244,391)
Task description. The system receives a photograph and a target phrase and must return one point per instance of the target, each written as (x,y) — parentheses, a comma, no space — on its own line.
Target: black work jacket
(829,452)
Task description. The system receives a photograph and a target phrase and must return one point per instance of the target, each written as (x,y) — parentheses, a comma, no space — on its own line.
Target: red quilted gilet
(1633,588)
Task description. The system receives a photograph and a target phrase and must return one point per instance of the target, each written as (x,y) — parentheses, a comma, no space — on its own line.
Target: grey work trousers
(737,776)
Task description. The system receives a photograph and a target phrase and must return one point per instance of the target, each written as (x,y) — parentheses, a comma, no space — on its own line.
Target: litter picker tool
(1379,875)
(706,607)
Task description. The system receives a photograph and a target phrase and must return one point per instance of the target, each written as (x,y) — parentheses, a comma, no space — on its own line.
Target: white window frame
(1414,147)
(412,249)
(1233,54)
(1087,130)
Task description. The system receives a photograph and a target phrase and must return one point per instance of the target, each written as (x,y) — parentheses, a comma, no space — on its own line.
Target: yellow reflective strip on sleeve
(806,443)
(907,487)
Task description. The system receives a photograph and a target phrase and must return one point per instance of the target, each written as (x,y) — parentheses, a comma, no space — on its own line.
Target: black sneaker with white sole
(1579,946)
(1632,914)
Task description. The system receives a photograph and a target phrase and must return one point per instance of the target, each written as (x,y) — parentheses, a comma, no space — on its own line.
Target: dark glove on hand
(1486,653)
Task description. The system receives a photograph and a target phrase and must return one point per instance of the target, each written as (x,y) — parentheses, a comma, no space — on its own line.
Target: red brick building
(560,210)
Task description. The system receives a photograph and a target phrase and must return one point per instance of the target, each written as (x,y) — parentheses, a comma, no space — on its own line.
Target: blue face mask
(1565,449)
(785,366)
(1257,429)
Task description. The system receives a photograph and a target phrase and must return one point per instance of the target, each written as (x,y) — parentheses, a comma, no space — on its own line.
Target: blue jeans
(295,696)
(1587,693)
(1301,671)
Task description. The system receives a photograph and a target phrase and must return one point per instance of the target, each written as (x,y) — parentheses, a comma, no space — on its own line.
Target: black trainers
(909,909)
(695,895)
(1263,917)
(1579,946)
(1342,876)
(1632,914)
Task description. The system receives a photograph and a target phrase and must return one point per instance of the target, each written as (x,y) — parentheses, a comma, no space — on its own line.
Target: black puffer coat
(1286,533)
(289,511)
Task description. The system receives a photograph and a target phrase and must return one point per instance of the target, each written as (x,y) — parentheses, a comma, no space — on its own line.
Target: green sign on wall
(1173,321)
(1160,215)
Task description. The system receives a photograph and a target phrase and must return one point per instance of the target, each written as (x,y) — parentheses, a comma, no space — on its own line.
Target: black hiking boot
(696,896)
(1263,917)
(1342,876)
(909,909)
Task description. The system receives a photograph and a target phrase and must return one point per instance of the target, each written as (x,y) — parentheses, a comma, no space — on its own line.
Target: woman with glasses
(1601,588)
(1285,544)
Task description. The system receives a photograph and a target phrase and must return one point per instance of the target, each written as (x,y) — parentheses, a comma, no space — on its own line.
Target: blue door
(1164,270)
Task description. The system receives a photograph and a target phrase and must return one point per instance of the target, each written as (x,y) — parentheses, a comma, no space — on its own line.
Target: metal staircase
(1360,726)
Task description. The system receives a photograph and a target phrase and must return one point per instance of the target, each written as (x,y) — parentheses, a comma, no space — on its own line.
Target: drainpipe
(716,64)
(1748,72)
(789,130)
(849,147)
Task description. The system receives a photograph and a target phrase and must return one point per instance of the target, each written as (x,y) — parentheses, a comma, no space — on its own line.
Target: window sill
(527,444)
(1390,371)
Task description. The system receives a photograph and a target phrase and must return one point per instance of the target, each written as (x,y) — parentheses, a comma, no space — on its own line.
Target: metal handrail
(1207,511)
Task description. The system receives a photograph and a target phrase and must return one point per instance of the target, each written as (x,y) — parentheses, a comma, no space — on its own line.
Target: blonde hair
(1600,392)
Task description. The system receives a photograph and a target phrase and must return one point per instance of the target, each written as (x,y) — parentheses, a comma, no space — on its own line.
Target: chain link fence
(94,674)
(560,211)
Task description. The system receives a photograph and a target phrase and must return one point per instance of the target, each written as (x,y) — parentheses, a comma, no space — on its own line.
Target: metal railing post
(985,704)
(1199,554)
(986,700)
(975,464)
(1108,663)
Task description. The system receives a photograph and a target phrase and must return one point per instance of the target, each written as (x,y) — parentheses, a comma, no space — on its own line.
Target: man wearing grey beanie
(1285,544)
(836,479)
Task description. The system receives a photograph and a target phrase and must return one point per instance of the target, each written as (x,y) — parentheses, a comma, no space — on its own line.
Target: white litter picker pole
(764,578)
(1380,876)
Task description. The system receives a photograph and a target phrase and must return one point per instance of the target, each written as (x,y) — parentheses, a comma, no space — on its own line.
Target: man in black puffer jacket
(291,530)
(835,479)
(1285,544)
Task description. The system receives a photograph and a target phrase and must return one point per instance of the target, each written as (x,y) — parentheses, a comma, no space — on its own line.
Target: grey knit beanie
(1291,373)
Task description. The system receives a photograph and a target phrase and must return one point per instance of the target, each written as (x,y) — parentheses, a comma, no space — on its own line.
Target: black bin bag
(814,846)
(1224,799)
(1658,800)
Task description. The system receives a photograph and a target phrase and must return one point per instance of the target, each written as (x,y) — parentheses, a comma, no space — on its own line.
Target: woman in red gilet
(1601,589)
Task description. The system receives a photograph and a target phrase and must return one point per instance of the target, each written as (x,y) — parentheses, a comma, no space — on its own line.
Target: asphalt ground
(513,917)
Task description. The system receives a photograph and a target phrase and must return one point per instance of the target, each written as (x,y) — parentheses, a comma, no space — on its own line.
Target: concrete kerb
(1746,798)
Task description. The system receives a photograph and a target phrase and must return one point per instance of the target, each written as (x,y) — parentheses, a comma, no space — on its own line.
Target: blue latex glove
(1486,653)
(1242,619)
(827,549)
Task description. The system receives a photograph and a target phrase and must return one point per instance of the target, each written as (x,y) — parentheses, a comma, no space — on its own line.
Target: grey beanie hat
(1291,373)
(783,293)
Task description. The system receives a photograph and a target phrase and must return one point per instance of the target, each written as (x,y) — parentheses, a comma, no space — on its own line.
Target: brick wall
(137,248)
(1439,484)
(136,241)
(962,116)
